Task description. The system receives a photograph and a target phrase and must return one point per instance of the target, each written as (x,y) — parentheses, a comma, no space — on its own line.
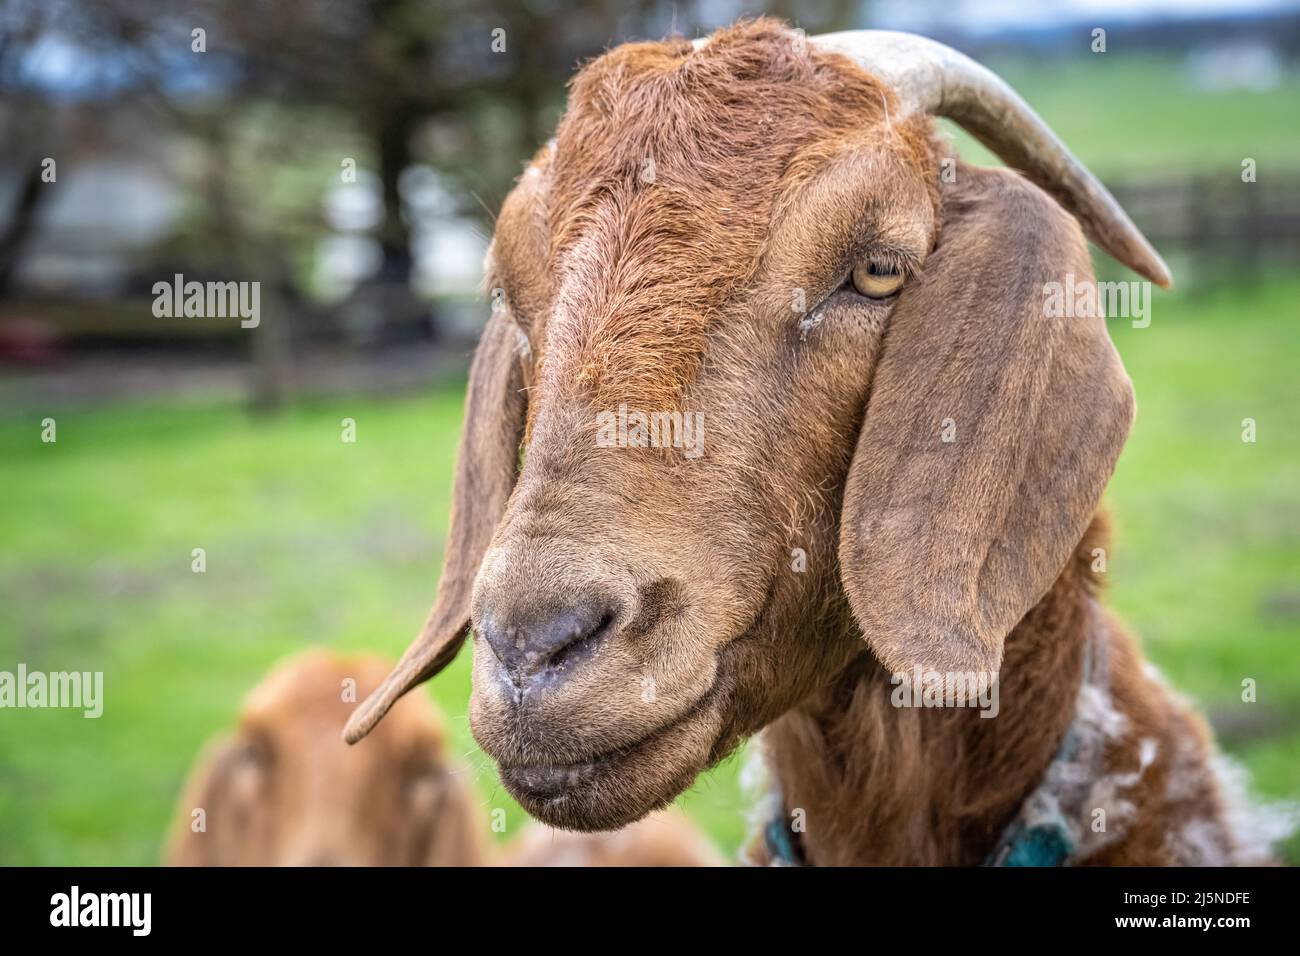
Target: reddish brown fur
(643,271)
(777,168)
(901,787)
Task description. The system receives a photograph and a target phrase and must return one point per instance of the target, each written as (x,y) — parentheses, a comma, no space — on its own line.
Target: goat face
(284,790)
(882,439)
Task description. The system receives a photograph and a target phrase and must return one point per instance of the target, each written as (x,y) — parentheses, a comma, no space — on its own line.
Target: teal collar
(1049,827)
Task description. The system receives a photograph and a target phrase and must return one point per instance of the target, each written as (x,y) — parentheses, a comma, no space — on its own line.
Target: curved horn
(935,79)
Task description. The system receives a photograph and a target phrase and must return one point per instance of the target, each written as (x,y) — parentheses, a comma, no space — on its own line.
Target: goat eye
(876,280)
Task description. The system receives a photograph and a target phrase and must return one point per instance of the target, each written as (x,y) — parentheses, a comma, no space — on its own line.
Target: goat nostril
(581,644)
(548,646)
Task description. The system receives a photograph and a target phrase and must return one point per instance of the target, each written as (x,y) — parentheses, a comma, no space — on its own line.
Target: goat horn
(932,78)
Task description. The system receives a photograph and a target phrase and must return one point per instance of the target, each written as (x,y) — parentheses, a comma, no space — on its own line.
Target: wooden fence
(1220,222)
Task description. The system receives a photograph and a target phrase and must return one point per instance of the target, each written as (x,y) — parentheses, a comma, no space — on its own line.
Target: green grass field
(311,540)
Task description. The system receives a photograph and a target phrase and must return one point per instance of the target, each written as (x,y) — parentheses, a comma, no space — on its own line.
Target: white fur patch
(1252,827)
(1255,827)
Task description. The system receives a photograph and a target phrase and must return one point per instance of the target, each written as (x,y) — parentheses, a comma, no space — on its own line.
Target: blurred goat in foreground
(284,790)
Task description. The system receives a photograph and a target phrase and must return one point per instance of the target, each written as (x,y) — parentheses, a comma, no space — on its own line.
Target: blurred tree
(272,94)
(21,126)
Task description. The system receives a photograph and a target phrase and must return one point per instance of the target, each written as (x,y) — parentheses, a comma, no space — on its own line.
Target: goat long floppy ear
(227,784)
(485,475)
(989,434)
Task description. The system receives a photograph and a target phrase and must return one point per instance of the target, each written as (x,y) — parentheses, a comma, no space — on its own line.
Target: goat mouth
(550,783)
(565,795)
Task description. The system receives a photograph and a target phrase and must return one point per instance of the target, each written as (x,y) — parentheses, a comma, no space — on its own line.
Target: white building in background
(115,193)
(87,229)
(1235,65)
(447,245)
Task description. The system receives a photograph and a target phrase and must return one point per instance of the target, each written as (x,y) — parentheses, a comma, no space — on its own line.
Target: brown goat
(284,790)
(666,839)
(903,466)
